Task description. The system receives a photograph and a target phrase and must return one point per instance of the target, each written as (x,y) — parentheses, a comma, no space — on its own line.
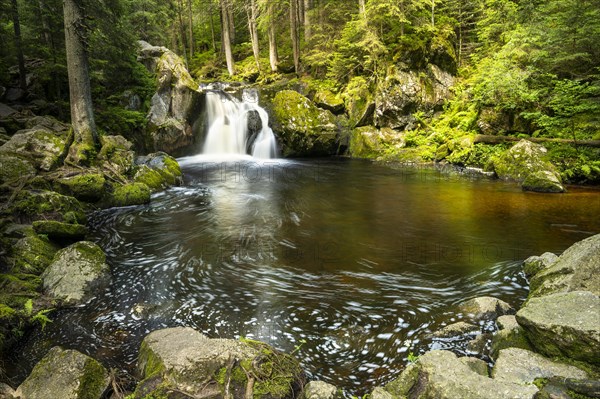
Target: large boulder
(30,205)
(442,375)
(564,324)
(177,103)
(183,360)
(523,367)
(321,390)
(43,146)
(14,167)
(76,273)
(303,129)
(525,163)
(370,142)
(85,186)
(31,254)
(486,308)
(402,93)
(66,374)
(577,269)
(535,264)
(157,171)
(359,102)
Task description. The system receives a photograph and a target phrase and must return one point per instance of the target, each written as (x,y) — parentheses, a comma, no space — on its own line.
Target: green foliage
(412,358)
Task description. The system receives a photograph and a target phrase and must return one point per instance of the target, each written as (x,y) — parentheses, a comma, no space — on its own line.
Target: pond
(346,263)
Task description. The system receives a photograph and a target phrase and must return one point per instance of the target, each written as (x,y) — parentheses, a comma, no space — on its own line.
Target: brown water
(351,264)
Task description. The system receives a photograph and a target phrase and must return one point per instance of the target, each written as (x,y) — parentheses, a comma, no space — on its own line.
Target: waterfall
(237,127)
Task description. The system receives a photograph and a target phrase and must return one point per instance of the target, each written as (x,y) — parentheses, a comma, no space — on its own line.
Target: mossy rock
(65,374)
(326,99)
(303,129)
(116,155)
(32,254)
(182,359)
(44,147)
(14,167)
(87,187)
(157,171)
(131,194)
(58,230)
(49,205)
(359,102)
(543,181)
(16,289)
(509,338)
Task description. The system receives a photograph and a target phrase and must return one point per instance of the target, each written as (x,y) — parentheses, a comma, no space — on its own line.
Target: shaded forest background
(534,64)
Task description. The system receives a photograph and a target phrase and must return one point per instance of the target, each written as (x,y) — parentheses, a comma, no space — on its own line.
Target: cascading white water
(231,126)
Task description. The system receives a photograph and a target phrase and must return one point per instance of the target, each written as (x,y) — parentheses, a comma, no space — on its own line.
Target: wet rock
(157,171)
(65,374)
(303,129)
(116,155)
(43,146)
(456,329)
(486,308)
(535,264)
(527,159)
(321,390)
(60,231)
(577,269)
(130,194)
(441,375)
(176,104)
(87,187)
(523,367)
(183,359)
(479,345)
(76,273)
(564,324)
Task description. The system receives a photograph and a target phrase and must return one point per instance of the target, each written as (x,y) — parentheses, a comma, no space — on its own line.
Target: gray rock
(523,367)
(191,363)
(486,308)
(381,393)
(535,264)
(76,272)
(14,167)
(441,375)
(5,111)
(42,145)
(475,364)
(564,324)
(65,374)
(480,344)
(320,390)
(513,337)
(543,181)
(6,391)
(456,329)
(577,269)
(507,322)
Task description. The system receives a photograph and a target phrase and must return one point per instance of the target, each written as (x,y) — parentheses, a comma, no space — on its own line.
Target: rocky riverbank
(547,349)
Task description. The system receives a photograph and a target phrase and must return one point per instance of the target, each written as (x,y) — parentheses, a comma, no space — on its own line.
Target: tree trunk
(252,14)
(307,27)
(361,7)
(226,39)
(191,28)
(85,136)
(212,26)
(182,32)
(273,56)
(294,34)
(18,46)
(433,13)
(230,20)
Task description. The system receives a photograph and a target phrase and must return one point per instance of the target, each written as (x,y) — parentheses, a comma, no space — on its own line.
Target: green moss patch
(131,194)
(86,187)
(59,230)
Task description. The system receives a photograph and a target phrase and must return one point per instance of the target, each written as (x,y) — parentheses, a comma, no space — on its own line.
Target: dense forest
(525,69)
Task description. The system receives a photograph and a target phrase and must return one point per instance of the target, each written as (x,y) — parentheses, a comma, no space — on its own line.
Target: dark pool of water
(347,263)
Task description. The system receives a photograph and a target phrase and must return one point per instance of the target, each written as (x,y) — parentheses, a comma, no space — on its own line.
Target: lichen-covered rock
(486,308)
(535,264)
(32,254)
(513,337)
(320,390)
(456,329)
(381,393)
(76,273)
(564,324)
(44,147)
(370,142)
(176,104)
(87,187)
(477,365)
(525,162)
(576,269)
(130,194)
(303,129)
(59,230)
(326,99)
(507,322)
(14,167)
(116,155)
(157,171)
(65,374)
(359,102)
(441,375)
(523,367)
(47,205)
(182,359)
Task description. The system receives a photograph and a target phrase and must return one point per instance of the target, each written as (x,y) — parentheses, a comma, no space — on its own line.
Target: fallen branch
(490,139)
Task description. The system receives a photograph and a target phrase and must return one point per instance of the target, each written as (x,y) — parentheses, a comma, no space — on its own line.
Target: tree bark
(18,46)
(212,26)
(294,34)
(226,39)
(182,31)
(273,56)
(307,23)
(361,7)
(85,136)
(252,14)
(191,28)
(230,20)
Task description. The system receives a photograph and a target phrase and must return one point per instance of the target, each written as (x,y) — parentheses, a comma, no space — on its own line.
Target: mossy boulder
(535,264)
(486,308)
(44,147)
(370,142)
(457,329)
(76,273)
(302,128)
(14,167)
(513,336)
(359,102)
(32,253)
(32,205)
(89,187)
(321,390)
(65,374)
(116,155)
(183,360)
(330,101)
(526,163)
(564,324)
(157,171)
(130,194)
(59,230)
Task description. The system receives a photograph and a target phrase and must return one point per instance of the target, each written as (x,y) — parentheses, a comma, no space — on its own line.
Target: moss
(14,167)
(59,230)
(87,187)
(513,338)
(131,194)
(365,142)
(153,366)
(32,254)
(150,177)
(93,380)
(34,205)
